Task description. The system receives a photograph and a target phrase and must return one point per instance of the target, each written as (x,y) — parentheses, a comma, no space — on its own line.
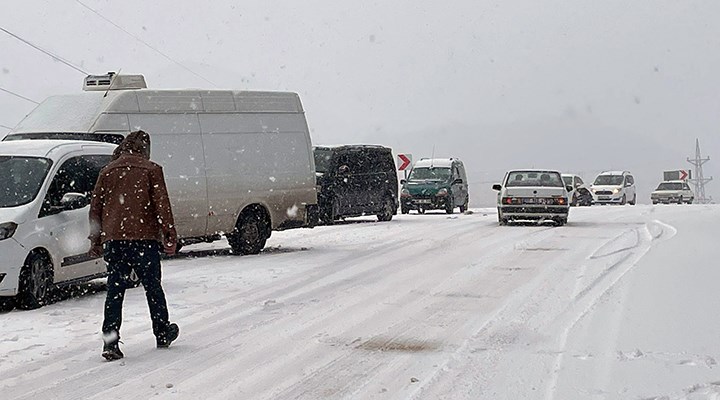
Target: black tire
(623,201)
(35,282)
(680,200)
(250,233)
(464,206)
(404,210)
(690,201)
(388,210)
(502,221)
(574,201)
(560,221)
(450,206)
(634,200)
(421,210)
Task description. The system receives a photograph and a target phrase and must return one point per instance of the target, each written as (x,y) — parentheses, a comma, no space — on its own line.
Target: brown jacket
(130,202)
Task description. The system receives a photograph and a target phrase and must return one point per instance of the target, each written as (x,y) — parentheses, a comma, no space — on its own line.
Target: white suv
(614,187)
(672,192)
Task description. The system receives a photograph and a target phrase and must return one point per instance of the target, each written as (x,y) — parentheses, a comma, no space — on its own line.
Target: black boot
(111,351)
(170,335)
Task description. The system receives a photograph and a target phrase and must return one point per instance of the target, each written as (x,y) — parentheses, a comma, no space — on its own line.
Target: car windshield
(567,180)
(322,160)
(21,179)
(430,173)
(670,186)
(534,178)
(609,180)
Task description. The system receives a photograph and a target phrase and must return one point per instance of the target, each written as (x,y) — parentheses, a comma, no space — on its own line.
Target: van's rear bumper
(13,258)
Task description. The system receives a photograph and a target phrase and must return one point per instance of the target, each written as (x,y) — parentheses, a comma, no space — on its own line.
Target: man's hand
(169,248)
(96,250)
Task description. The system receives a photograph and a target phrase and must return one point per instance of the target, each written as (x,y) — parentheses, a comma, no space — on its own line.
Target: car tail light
(511,200)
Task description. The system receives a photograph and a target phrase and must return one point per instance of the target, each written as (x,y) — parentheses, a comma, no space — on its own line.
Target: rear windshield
(534,178)
(670,186)
(21,179)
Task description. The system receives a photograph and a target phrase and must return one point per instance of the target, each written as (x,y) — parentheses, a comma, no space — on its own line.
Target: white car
(672,192)
(580,194)
(539,195)
(614,187)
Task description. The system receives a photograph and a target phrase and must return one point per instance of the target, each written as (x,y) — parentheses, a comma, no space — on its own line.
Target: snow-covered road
(620,303)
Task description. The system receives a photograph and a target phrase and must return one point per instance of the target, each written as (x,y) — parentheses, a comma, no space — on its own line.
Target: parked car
(439,183)
(614,187)
(45,192)
(580,194)
(538,195)
(672,192)
(355,180)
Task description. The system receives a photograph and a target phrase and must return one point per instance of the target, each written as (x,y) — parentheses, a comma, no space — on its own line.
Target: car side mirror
(497,187)
(457,181)
(73,201)
(403,181)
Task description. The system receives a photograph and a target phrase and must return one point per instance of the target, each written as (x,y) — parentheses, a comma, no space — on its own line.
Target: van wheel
(249,236)
(464,207)
(450,206)
(404,210)
(421,210)
(623,201)
(35,282)
(634,200)
(388,209)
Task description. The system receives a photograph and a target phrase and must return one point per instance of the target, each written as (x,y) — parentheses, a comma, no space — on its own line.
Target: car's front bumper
(427,203)
(606,199)
(666,199)
(13,258)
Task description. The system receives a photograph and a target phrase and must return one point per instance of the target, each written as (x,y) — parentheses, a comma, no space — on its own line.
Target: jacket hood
(136,143)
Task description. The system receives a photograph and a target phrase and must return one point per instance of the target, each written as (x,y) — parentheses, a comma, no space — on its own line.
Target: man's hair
(137,143)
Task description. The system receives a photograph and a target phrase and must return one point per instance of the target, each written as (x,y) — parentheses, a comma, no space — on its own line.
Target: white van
(237,163)
(44,203)
(614,187)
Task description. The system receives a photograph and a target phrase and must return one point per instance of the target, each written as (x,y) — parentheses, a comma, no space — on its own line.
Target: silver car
(672,192)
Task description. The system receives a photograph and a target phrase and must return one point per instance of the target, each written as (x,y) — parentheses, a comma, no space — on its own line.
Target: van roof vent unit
(113,81)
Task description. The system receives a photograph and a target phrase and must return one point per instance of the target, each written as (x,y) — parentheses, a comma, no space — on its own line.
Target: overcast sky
(484,75)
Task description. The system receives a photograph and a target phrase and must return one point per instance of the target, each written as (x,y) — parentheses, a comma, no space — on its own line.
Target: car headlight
(442,192)
(616,190)
(7,230)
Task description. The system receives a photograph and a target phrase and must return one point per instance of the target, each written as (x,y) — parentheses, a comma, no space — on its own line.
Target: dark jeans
(143,256)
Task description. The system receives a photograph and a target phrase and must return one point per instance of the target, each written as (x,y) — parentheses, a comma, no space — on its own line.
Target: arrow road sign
(683,175)
(404,161)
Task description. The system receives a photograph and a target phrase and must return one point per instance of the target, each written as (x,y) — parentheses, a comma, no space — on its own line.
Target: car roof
(614,173)
(45,148)
(534,170)
(436,162)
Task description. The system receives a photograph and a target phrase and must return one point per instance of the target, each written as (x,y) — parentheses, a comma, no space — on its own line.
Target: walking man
(130,223)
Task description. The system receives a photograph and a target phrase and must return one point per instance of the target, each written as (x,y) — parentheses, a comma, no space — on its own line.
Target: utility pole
(699,181)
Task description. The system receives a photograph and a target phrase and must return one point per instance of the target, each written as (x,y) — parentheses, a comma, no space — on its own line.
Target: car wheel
(421,210)
(249,236)
(574,201)
(690,201)
(35,282)
(388,209)
(634,200)
(404,210)
(623,201)
(560,221)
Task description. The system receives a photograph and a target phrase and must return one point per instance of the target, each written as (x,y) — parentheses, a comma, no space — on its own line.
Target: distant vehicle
(533,195)
(237,164)
(614,187)
(355,180)
(672,192)
(439,183)
(580,195)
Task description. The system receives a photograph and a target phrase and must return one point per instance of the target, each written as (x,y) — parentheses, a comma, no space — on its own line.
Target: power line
(54,56)
(18,95)
(145,43)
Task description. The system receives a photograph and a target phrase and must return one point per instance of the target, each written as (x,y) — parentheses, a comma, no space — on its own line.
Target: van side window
(630,180)
(76,175)
(578,181)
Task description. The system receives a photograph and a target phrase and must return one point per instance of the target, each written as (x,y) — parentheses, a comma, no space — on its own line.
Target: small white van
(237,164)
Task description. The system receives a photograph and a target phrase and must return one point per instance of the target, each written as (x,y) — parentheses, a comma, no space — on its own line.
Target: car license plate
(528,201)
(423,201)
(604,197)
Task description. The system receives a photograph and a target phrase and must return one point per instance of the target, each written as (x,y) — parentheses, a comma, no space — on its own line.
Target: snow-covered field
(622,303)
